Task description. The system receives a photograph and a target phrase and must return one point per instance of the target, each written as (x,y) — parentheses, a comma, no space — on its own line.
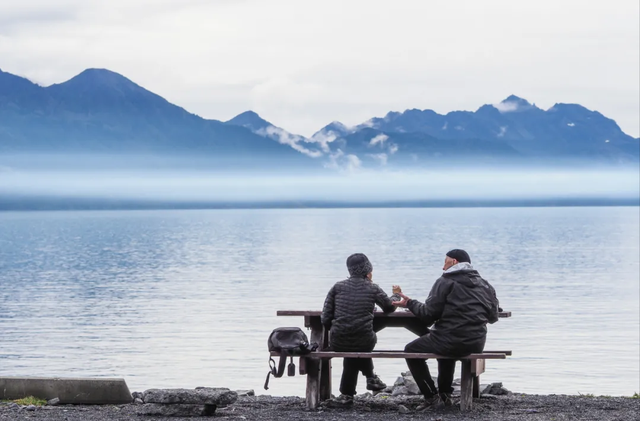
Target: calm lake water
(188,298)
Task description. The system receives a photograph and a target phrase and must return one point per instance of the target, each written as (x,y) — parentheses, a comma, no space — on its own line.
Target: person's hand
(403,302)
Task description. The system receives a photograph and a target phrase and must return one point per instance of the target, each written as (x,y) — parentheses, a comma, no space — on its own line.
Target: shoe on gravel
(375,384)
(344,400)
(444,400)
(428,403)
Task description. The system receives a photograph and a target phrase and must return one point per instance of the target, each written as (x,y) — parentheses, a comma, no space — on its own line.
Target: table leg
(466,385)
(325,379)
(325,369)
(476,386)
(315,368)
(313,382)
(477,368)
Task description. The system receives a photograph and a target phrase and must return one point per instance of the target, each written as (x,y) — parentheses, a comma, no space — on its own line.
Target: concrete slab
(79,391)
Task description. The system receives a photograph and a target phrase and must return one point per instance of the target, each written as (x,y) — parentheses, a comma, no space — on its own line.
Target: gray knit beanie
(359,265)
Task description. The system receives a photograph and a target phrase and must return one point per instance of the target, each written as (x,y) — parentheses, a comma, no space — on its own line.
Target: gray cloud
(304,64)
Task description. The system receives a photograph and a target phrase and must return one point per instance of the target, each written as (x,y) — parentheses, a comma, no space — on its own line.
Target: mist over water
(199,180)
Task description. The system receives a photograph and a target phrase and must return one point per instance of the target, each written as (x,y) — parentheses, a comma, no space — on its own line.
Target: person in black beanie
(459,307)
(348,314)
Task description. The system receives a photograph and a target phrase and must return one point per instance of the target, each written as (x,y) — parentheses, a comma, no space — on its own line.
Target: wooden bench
(317,365)
(319,388)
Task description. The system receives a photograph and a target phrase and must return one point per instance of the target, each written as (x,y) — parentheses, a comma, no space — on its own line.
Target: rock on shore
(202,401)
(198,396)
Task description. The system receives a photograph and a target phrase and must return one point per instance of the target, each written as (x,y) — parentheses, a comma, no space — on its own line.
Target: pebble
(412,386)
(403,409)
(401,390)
(248,392)
(53,402)
(31,408)
(495,389)
(177,410)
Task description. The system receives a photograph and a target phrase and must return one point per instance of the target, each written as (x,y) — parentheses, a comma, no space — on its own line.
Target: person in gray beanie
(348,314)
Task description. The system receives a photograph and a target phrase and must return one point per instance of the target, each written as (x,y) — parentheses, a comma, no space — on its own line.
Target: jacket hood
(465,274)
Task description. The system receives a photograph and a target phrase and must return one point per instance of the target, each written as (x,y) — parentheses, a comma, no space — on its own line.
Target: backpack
(288,341)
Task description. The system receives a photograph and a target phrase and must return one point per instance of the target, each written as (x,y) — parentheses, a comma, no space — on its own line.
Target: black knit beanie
(359,265)
(459,255)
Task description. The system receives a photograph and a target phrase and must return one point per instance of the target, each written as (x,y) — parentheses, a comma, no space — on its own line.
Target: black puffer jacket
(459,306)
(348,312)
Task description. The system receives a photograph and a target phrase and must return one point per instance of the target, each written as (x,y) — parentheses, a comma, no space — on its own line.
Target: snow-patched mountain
(514,124)
(262,127)
(100,111)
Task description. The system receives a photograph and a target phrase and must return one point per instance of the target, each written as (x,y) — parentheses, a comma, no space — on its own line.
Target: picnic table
(317,366)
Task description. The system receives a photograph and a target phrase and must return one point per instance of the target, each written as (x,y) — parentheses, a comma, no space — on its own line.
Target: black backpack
(288,341)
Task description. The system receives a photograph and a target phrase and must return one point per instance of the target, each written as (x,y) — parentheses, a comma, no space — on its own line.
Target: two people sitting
(457,311)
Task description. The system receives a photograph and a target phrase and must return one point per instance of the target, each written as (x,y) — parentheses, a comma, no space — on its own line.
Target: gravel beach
(496,408)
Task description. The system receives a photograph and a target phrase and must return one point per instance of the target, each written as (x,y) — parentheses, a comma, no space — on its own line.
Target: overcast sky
(303,64)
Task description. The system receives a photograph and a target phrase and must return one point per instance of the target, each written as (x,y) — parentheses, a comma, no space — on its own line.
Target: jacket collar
(459,267)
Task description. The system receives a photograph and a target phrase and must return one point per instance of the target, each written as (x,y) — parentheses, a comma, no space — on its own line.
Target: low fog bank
(337,163)
(154,162)
(29,188)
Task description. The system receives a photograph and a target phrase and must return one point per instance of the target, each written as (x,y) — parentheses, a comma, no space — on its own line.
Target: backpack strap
(281,365)
(277,373)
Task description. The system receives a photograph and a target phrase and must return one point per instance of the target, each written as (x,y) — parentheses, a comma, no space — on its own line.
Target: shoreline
(515,406)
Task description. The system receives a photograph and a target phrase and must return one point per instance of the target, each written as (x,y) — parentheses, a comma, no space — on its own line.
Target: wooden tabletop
(407,314)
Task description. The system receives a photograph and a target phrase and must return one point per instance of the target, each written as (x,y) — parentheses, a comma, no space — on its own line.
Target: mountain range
(100,111)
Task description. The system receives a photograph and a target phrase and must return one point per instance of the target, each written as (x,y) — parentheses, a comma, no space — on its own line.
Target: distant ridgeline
(100,111)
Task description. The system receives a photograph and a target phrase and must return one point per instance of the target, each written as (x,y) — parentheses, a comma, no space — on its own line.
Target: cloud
(353,162)
(332,162)
(503,130)
(379,139)
(323,138)
(382,158)
(286,138)
(507,107)
(343,162)
(393,148)
(369,123)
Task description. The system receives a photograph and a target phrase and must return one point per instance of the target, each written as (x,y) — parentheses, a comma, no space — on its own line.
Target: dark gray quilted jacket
(459,307)
(348,312)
